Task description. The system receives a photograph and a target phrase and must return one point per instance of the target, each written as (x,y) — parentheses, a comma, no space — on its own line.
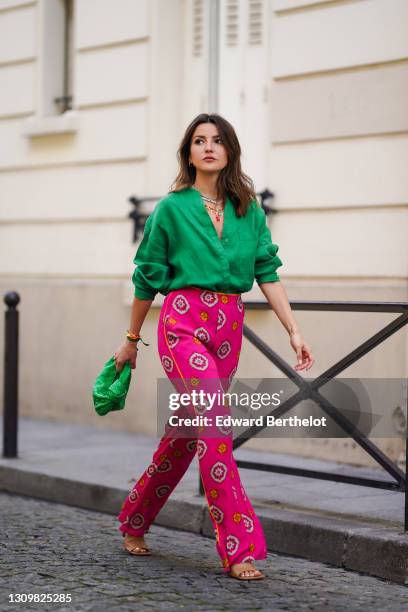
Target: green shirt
(181,248)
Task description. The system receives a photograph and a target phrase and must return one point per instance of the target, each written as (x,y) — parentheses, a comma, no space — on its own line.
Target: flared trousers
(199,341)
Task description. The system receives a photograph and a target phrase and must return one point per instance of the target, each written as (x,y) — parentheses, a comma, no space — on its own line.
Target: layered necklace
(219,210)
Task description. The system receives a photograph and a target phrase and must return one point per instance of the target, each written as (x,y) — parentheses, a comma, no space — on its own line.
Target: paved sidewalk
(346,525)
(60,550)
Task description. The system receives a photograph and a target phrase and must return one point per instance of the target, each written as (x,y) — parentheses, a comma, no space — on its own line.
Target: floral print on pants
(199,342)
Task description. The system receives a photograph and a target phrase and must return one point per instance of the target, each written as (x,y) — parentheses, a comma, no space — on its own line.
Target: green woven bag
(111,387)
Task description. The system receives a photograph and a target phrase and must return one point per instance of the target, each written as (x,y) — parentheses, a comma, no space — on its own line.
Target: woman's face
(207,143)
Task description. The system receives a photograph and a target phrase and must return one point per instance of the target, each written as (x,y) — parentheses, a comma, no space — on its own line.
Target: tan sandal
(238,574)
(139,551)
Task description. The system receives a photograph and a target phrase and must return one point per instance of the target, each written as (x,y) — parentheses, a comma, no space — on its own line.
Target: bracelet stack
(134,337)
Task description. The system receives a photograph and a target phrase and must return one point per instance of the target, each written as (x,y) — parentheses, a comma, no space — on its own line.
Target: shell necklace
(219,210)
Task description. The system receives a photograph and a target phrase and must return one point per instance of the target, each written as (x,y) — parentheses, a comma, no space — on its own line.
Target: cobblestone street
(51,548)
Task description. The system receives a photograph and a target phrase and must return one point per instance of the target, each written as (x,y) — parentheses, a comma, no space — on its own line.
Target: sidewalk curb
(374,550)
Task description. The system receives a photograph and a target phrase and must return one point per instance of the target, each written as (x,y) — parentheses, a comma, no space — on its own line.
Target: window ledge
(67,123)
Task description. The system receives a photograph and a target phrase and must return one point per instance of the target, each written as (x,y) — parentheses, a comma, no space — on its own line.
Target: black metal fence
(310,389)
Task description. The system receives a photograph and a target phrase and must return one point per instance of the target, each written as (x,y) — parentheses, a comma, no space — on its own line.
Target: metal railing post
(10,413)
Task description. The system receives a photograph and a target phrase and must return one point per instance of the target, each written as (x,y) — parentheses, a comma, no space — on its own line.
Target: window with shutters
(55,71)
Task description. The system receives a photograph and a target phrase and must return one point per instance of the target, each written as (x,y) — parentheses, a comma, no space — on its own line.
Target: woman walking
(204,244)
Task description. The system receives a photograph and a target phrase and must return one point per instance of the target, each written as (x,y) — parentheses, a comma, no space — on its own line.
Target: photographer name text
(261,421)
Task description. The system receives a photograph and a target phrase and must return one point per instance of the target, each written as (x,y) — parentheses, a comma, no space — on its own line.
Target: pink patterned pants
(199,342)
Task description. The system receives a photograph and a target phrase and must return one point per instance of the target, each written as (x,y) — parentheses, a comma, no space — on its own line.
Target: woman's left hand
(304,354)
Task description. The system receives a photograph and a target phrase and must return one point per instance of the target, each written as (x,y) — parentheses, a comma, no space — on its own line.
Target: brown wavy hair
(232,182)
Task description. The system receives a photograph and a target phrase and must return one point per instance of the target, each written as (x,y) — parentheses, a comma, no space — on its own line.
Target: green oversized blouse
(181,248)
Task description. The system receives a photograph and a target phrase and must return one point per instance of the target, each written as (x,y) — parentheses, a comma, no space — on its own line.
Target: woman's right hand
(126,352)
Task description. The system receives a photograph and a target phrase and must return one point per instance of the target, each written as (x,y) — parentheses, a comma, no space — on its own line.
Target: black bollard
(10,413)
